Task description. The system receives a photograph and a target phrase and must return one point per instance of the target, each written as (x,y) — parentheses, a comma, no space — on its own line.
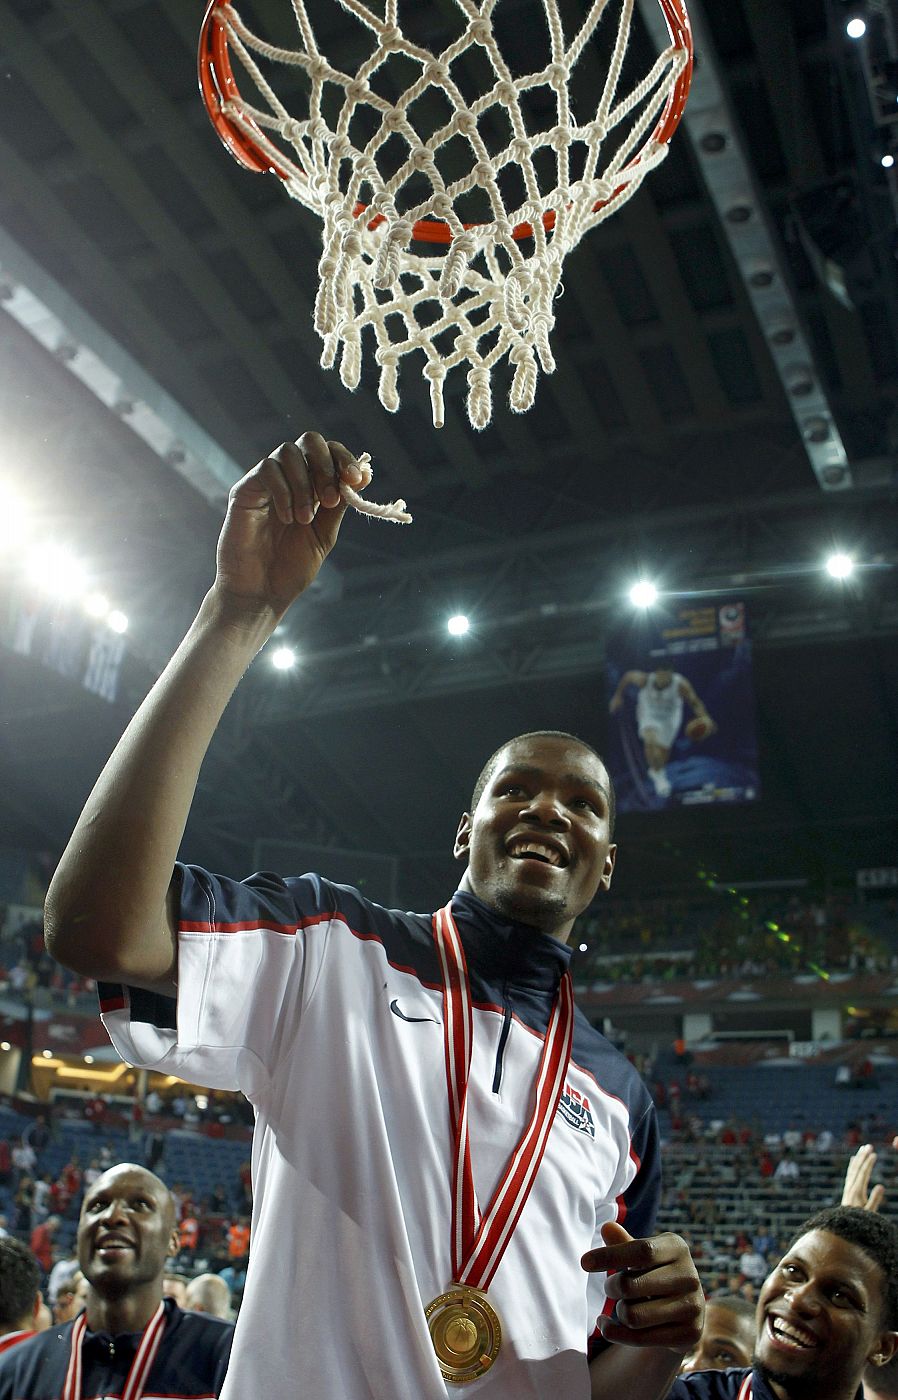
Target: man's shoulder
(35,1357)
(611,1069)
(200,1328)
(718,1385)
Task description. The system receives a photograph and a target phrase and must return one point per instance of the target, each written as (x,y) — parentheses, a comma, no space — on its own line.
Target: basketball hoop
(438,237)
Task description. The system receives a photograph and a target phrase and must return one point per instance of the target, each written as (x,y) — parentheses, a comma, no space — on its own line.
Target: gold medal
(466,1333)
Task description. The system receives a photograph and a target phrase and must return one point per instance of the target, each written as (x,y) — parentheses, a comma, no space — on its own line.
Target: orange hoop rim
(218,84)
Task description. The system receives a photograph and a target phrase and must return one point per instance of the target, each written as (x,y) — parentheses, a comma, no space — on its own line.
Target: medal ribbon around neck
(480,1240)
(139,1369)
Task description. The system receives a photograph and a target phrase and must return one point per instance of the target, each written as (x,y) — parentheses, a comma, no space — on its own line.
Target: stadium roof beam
(724,160)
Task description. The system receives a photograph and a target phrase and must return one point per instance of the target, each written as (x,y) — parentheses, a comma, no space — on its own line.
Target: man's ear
(462,837)
(886,1350)
(174,1243)
(608,871)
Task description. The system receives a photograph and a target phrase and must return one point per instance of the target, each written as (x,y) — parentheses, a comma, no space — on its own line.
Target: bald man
(208,1293)
(128,1338)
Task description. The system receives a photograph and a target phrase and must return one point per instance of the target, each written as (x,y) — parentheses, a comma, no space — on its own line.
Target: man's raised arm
(109,913)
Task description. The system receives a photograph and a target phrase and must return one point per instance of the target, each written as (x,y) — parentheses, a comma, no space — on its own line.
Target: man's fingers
(672,1336)
(633,1255)
(266,485)
(656,1312)
(665,1281)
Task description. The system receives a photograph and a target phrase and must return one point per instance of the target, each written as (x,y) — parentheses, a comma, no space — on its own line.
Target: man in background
(125,1235)
(728,1336)
(208,1293)
(22,1310)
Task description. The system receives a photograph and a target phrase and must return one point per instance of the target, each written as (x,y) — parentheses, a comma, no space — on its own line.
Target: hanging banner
(682,716)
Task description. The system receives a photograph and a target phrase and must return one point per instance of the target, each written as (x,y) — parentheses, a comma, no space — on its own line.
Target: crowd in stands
(726,934)
(715,934)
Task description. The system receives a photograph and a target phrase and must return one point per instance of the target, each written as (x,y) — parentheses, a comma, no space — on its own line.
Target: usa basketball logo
(574,1109)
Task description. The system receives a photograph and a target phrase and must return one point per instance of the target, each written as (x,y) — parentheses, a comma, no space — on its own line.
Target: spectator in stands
(752,1266)
(786,1170)
(21,1305)
(125,1234)
(61,1273)
(42,1243)
(208,1293)
(827,1313)
(153,1149)
(174,1285)
(728,1336)
(37,1134)
(154,1102)
(189,1235)
(238,1234)
(40,1197)
(217,1203)
(68,1299)
(24,1159)
(23,1201)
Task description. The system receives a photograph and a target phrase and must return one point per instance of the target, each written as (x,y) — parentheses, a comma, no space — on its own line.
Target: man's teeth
(534,848)
(788,1332)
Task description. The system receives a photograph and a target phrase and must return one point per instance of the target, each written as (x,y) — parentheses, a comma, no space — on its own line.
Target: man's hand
(856,1190)
(282,522)
(655,1286)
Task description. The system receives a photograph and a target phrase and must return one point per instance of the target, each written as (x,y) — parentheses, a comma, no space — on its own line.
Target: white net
(373,161)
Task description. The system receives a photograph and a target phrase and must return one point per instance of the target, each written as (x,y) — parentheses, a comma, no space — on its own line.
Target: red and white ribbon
(479,1240)
(140,1367)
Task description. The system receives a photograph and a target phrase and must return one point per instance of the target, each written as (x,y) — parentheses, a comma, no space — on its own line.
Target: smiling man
(827,1314)
(455,1176)
(128,1341)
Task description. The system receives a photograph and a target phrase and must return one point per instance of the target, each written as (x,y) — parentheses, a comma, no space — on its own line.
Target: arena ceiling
(697,427)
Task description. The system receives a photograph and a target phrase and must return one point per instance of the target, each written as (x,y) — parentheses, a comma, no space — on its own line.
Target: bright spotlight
(97,605)
(458,625)
(856,27)
(840,565)
(582,947)
(283,658)
(887,160)
(643,594)
(117,621)
(55,569)
(14,522)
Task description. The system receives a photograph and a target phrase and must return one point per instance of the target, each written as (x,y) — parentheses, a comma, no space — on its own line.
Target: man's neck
(784,1392)
(128,1313)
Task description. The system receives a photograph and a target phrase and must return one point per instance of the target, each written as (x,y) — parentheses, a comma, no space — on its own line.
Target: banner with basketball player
(681,708)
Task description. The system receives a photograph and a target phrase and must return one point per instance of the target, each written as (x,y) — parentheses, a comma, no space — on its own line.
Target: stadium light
(117,621)
(643,594)
(14,522)
(283,659)
(54,569)
(458,625)
(840,565)
(97,605)
(856,27)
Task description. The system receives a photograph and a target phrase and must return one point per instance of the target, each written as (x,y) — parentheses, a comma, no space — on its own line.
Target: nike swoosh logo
(394,1007)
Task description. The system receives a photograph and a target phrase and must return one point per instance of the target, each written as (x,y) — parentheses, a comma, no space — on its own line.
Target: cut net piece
(402,268)
(394,510)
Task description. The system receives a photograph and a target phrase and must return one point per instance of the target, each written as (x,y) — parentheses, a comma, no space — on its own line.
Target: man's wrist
(246,622)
